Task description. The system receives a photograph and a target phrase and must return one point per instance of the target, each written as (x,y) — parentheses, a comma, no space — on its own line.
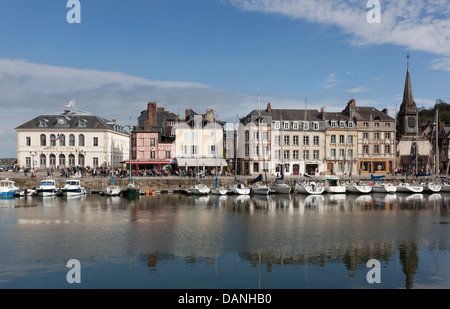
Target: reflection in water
(276,241)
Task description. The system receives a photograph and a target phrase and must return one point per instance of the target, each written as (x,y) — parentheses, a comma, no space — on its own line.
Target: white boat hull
(407,188)
(336,189)
(219,191)
(309,189)
(445,188)
(73,192)
(384,188)
(281,188)
(261,190)
(112,191)
(240,189)
(432,187)
(199,190)
(360,189)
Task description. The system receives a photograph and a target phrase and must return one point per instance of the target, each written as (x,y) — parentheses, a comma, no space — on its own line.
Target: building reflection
(352,255)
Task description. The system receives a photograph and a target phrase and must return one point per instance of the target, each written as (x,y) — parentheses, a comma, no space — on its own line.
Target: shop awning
(193,162)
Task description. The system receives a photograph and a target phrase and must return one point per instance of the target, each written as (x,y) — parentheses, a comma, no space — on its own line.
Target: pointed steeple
(408,106)
(406,117)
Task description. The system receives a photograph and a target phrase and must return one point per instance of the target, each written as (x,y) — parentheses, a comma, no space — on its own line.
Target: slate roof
(295,115)
(71,119)
(363,113)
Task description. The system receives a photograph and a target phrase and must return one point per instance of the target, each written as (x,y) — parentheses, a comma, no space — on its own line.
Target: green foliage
(428,115)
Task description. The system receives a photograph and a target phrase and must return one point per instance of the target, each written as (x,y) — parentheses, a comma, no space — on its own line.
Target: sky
(222,54)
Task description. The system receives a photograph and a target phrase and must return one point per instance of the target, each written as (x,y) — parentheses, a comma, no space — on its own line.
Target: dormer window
(43,123)
(82,123)
(342,124)
(333,124)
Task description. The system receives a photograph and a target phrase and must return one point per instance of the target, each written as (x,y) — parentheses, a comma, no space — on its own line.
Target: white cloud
(331,81)
(29,89)
(358,89)
(415,25)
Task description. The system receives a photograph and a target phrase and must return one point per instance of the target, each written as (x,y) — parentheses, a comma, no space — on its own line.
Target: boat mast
(129,150)
(437,143)
(235,147)
(282,149)
(260,138)
(417,155)
(371,137)
(304,136)
(395,141)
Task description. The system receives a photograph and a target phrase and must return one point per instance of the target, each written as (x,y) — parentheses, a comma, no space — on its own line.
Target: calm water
(175,241)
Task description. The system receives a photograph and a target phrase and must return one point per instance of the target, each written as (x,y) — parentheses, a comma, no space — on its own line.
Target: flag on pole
(71,103)
(57,138)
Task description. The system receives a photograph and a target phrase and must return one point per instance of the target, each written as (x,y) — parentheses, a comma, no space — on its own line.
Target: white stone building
(69,139)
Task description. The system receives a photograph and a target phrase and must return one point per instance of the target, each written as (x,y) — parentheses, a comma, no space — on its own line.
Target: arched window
(43,161)
(81,160)
(71,140)
(81,140)
(62,161)
(62,140)
(53,140)
(52,161)
(43,140)
(71,160)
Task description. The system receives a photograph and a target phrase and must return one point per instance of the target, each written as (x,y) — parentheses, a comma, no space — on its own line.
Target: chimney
(151,112)
(385,111)
(351,108)
(210,114)
(114,120)
(160,109)
(269,108)
(187,114)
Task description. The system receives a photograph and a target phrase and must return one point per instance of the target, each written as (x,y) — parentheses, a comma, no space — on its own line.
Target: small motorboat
(47,188)
(73,188)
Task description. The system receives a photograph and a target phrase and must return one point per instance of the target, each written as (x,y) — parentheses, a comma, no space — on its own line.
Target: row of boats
(73,187)
(327,185)
(49,187)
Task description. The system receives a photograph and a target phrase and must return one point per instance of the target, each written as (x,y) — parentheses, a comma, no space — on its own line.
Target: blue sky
(216,53)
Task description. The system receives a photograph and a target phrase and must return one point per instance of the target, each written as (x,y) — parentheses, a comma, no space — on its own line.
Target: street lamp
(33,154)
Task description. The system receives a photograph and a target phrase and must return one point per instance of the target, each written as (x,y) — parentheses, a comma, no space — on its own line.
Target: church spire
(408,105)
(406,117)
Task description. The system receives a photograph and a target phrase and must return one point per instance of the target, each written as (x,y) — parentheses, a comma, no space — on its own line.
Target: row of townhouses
(355,141)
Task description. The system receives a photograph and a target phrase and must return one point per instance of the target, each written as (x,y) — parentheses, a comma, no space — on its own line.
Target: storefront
(375,166)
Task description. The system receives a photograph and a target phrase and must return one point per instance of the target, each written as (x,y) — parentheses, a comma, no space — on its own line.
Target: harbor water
(176,241)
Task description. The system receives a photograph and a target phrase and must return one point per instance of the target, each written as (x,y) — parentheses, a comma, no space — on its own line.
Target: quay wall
(176,183)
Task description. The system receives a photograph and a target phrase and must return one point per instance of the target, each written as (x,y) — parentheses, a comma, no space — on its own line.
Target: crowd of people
(121,172)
